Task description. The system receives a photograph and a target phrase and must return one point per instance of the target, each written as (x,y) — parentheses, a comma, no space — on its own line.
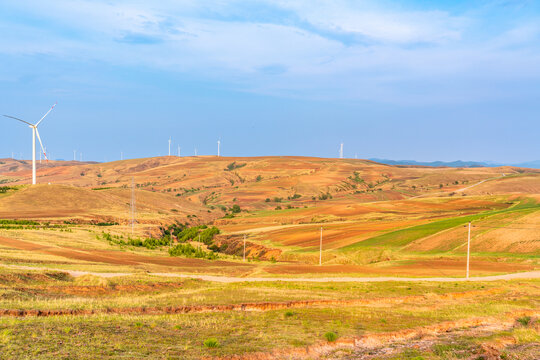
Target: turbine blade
(26,122)
(41,144)
(52,107)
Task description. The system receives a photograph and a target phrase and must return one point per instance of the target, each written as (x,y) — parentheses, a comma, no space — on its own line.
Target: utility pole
(320,250)
(468,249)
(244,258)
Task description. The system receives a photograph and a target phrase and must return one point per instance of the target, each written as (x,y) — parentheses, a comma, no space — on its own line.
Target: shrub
(524,320)
(236,209)
(259,178)
(4,189)
(189,251)
(207,235)
(233,166)
(211,343)
(289,313)
(330,336)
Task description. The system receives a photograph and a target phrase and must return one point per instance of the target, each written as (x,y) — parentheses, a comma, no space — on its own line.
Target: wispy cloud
(353,49)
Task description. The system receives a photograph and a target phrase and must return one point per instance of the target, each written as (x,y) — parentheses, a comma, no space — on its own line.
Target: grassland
(181,336)
(76,282)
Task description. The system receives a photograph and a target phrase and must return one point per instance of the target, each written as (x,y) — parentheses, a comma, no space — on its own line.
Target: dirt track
(228,279)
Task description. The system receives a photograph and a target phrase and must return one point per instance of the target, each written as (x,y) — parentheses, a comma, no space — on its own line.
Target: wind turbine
(218,144)
(34,133)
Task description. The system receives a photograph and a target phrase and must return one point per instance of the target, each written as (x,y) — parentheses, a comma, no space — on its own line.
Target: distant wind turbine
(178,150)
(169,146)
(218,144)
(34,133)
(341,151)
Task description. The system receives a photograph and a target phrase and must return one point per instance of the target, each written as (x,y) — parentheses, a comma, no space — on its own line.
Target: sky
(423,80)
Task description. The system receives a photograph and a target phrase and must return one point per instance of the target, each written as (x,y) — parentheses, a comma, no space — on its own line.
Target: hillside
(371,213)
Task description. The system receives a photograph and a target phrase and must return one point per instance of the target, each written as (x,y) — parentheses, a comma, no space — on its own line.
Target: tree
(236,209)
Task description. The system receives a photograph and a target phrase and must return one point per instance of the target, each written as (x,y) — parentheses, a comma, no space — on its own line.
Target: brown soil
(235,246)
(126,258)
(437,267)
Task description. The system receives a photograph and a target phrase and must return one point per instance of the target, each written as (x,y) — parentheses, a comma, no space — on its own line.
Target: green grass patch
(402,237)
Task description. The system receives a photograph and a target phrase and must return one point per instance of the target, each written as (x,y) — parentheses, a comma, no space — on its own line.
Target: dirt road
(233,279)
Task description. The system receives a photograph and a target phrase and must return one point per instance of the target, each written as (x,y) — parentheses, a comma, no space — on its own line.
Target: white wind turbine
(34,133)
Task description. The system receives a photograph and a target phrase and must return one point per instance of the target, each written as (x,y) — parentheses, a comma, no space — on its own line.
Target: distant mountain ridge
(458,163)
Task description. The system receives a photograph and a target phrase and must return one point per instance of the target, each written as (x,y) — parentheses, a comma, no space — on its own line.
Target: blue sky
(423,80)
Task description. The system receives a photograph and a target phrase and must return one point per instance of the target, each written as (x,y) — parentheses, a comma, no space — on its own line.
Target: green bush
(524,320)
(330,336)
(189,251)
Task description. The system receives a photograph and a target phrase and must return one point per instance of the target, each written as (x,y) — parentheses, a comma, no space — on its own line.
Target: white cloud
(392,52)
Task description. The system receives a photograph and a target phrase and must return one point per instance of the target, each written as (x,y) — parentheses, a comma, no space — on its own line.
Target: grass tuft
(211,343)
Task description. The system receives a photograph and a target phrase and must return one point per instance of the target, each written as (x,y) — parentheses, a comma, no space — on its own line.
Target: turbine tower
(218,143)
(178,150)
(34,133)
(169,146)
(341,151)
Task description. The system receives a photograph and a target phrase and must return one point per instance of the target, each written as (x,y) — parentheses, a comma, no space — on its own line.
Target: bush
(211,343)
(330,336)
(189,251)
(524,320)
(236,209)
(207,235)
(233,166)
